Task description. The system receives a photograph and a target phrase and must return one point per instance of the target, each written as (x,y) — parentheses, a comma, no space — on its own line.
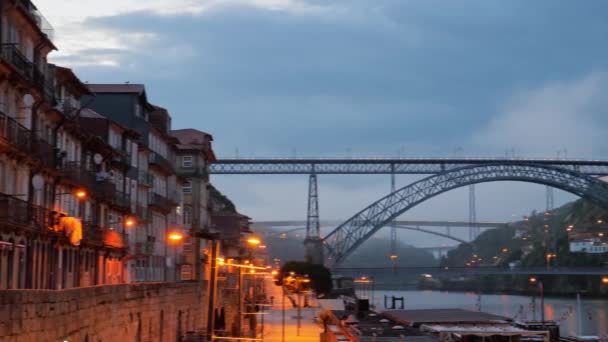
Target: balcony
(92,233)
(121,200)
(41,23)
(14,133)
(43,81)
(143,214)
(161,162)
(145,178)
(144,248)
(20,214)
(99,188)
(122,159)
(22,139)
(12,54)
(160,202)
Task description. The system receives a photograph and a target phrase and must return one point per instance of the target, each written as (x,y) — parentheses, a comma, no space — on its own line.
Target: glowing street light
(81,194)
(605,280)
(130,222)
(175,236)
(254,241)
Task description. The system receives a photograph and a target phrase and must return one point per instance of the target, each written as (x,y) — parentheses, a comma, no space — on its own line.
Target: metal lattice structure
(432,232)
(352,233)
(389,166)
(312,219)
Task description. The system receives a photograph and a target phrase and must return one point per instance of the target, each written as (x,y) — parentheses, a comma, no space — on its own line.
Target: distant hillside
(372,253)
(547,234)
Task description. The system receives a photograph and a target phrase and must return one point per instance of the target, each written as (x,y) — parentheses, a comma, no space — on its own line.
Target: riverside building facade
(89,189)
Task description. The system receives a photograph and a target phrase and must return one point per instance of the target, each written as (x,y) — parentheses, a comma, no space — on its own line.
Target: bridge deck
(389,166)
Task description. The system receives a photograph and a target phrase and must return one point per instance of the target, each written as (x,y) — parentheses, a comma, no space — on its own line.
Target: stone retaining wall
(114,313)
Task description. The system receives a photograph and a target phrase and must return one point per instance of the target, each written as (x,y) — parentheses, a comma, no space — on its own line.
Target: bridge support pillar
(313,245)
(313,250)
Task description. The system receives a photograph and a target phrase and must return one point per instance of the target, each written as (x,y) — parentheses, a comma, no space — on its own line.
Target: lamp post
(533,280)
(175,238)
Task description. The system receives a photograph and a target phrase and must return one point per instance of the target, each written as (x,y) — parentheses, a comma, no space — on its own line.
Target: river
(594,311)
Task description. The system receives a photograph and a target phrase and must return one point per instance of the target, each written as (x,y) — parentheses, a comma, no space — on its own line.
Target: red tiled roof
(191,135)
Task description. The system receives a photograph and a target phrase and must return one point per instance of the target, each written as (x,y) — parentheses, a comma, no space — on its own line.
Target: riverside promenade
(309,330)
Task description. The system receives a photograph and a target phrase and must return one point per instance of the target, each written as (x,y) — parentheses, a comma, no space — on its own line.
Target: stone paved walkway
(309,330)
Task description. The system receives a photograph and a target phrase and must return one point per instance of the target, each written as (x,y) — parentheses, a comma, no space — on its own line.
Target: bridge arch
(418,229)
(343,240)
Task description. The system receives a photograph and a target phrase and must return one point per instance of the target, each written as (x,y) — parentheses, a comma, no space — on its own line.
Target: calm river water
(594,312)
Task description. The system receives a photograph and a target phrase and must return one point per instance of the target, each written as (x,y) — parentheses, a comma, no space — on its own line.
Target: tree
(319,275)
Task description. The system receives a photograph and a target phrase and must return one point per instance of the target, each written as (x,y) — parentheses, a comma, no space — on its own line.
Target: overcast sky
(358,78)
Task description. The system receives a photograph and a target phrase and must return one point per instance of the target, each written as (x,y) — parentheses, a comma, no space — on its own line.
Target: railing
(160,161)
(144,248)
(44,81)
(22,138)
(92,233)
(42,23)
(160,202)
(100,188)
(11,53)
(44,152)
(145,178)
(122,158)
(144,214)
(14,133)
(121,199)
(17,212)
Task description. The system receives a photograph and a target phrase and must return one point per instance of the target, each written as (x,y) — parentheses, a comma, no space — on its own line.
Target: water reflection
(594,312)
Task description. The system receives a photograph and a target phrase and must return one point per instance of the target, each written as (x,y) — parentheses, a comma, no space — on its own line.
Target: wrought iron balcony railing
(92,233)
(98,187)
(121,199)
(160,202)
(21,138)
(12,54)
(14,133)
(43,81)
(23,215)
(41,22)
(145,178)
(161,162)
(143,214)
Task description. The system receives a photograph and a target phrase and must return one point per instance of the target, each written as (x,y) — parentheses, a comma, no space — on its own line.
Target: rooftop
(117,88)
(430,316)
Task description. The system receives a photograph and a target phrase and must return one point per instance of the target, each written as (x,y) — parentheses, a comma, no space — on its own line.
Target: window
(187,161)
(187,187)
(187,214)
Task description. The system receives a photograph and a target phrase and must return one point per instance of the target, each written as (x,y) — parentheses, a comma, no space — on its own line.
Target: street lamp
(533,280)
(175,237)
(605,280)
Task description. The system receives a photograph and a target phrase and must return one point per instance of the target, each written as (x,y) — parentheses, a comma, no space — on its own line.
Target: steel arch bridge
(399,226)
(352,233)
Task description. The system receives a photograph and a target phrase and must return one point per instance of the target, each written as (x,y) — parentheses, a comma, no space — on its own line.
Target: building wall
(134,312)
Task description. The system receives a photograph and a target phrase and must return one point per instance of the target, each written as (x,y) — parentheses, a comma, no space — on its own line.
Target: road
(309,331)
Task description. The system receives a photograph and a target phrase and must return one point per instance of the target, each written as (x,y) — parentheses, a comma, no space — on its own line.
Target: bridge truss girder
(417,166)
(352,233)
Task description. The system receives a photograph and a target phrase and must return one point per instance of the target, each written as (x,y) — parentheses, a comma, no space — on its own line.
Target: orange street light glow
(130,222)
(81,194)
(532,280)
(605,280)
(176,236)
(254,241)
